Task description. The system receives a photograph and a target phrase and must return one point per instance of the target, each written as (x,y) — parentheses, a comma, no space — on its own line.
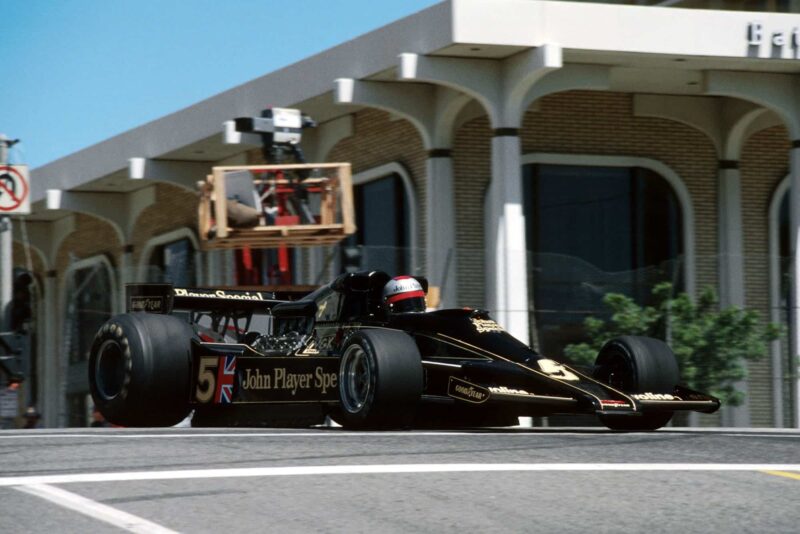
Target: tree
(710,344)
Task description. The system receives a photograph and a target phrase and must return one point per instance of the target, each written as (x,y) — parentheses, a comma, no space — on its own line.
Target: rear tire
(380,380)
(636,364)
(139,369)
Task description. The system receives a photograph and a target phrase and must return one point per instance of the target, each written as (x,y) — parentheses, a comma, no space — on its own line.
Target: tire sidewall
(156,356)
(654,369)
(650,361)
(361,416)
(395,381)
(117,330)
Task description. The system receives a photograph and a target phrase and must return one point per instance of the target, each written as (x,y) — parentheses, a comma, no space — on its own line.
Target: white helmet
(404,294)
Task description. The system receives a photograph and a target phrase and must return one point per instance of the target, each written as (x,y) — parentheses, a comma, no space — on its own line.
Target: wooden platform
(301,235)
(330,181)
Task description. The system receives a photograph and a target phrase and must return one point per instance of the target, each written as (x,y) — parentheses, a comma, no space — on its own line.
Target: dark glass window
(592,231)
(89,293)
(174,262)
(77,413)
(382,239)
(784,305)
(88,307)
(269,267)
(784,249)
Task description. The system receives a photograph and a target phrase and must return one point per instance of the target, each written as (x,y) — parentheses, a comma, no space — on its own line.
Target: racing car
(363,351)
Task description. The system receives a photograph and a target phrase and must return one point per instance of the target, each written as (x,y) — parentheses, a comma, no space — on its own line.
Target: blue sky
(75,72)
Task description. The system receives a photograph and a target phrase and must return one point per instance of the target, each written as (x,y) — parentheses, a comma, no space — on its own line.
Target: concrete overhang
(201,123)
(642,45)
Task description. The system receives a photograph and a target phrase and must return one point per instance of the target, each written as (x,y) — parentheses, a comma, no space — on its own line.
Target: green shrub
(710,344)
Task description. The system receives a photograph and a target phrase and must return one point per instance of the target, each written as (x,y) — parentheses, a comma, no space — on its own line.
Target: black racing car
(250,358)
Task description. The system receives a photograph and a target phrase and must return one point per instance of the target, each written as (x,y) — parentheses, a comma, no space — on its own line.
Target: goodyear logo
(147,304)
(463,390)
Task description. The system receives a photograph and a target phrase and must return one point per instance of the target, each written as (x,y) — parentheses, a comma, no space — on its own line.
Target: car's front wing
(549,388)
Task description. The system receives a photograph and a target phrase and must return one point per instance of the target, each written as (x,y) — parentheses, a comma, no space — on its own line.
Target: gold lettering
(256,380)
(486,325)
(324,380)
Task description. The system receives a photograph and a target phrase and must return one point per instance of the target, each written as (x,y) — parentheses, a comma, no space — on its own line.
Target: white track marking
(94,509)
(332,434)
(526,432)
(377,469)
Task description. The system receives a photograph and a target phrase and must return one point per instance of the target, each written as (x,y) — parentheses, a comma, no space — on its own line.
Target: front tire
(637,364)
(380,380)
(139,369)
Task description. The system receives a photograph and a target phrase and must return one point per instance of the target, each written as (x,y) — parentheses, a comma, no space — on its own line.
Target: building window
(89,291)
(593,230)
(88,307)
(264,267)
(382,240)
(173,262)
(784,252)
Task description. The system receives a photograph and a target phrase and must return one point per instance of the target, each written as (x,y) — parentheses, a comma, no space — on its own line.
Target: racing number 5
(556,370)
(206,381)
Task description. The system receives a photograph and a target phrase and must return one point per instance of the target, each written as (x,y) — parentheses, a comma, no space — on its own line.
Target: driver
(404,294)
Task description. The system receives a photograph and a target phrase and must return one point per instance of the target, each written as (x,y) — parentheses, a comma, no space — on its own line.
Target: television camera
(281,130)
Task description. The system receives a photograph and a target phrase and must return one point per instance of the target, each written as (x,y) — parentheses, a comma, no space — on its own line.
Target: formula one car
(363,351)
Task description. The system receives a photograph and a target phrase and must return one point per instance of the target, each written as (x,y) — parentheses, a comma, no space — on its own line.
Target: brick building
(533,155)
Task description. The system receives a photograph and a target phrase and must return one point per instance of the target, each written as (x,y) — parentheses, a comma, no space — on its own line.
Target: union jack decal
(225,378)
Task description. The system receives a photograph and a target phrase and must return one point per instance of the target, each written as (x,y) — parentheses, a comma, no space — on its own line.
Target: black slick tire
(637,364)
(380,380)
(139,369)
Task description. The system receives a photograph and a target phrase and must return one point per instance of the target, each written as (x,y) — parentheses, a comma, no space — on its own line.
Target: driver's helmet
(404,294)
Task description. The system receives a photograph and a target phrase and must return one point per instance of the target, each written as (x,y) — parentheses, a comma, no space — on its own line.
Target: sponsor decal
(463,390)
(219,294)
(614,404)
(244,379)
(281,379)
(502,390)
(326,343)
(147,304)
(486,325)
(655,396)
(553,369)
(311,349)
(225,375)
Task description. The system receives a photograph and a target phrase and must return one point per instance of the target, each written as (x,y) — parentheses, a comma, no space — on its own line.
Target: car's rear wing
(164,298)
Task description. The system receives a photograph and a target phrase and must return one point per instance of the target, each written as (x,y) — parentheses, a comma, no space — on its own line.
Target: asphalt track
(323,480)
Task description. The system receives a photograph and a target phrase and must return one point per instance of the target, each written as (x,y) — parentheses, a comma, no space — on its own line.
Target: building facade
(526,156)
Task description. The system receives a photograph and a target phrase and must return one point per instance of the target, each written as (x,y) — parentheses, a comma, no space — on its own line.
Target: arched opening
(384,208)
(89,302)
(173,258)
(593,229)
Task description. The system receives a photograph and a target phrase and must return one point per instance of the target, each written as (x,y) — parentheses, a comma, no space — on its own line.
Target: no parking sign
(14,190)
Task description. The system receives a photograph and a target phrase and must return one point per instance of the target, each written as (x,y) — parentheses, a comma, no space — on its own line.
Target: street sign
(14,190)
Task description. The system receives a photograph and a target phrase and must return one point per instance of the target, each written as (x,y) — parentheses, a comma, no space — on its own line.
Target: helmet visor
(413,304)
